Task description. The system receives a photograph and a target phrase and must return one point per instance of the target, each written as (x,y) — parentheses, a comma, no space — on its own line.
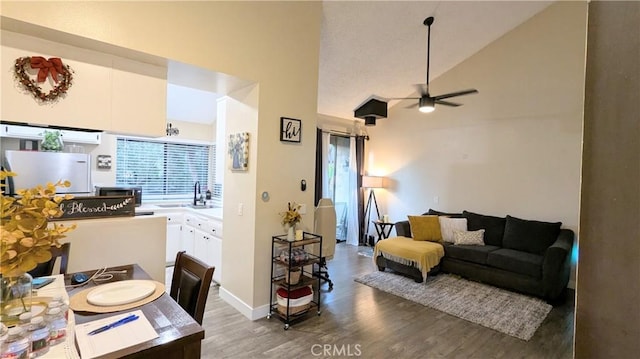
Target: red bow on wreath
(53,65)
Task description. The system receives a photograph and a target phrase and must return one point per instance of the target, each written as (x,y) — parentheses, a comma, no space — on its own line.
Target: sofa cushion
(493,226)
(471,238)
(475,254)
(425,228)
(448,225)
(529,236)
(433,212)
(516,261)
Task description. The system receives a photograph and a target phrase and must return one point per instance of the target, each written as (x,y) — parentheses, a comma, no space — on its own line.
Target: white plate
(123,292)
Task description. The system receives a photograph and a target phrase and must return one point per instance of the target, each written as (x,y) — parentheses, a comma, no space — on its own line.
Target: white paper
(123,336)
(54,289)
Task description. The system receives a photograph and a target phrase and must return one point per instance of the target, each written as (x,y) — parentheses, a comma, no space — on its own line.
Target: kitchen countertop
(214,213)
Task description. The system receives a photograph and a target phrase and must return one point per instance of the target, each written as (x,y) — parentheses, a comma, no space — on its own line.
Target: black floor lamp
(371,182)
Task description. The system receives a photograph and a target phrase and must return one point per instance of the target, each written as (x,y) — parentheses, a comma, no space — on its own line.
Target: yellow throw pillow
(425,228)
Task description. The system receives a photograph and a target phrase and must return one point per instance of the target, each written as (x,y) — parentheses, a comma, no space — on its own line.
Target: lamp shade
(372,182)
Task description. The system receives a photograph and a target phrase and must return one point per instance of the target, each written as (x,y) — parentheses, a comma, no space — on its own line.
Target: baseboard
(242,307)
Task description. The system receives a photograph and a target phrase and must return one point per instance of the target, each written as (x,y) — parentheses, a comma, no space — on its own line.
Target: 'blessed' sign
(97,207)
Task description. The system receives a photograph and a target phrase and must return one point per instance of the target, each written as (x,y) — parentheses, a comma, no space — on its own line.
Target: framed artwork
(290,129)
(239,151)
(104,162)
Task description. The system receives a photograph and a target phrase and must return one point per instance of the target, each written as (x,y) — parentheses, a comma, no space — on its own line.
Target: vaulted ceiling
(370,48)
(379,47)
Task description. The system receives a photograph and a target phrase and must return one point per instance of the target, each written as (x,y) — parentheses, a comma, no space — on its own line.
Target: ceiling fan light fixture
(427,104)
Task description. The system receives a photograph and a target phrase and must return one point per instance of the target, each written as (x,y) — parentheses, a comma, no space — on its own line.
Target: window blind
(164,170)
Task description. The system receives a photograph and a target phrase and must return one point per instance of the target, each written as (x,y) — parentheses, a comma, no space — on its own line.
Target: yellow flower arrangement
(292,215)
(25,232)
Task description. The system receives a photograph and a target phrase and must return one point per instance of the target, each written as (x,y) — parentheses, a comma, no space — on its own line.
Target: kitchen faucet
(196,191)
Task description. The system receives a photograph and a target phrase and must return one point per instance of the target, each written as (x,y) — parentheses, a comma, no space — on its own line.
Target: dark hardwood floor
(358,320)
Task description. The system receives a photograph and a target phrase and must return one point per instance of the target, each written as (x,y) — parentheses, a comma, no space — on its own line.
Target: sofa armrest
(403,229)
(556,265)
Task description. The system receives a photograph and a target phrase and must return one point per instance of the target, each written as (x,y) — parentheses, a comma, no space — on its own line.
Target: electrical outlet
(240,209)
(303,209)
(436,199)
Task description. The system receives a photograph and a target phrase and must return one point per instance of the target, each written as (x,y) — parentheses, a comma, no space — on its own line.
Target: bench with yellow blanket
(423,255)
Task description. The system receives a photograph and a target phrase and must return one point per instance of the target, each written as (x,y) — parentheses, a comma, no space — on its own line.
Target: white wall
(514,148)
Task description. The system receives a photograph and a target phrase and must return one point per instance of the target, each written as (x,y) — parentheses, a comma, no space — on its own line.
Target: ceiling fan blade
(454,94)
(402,98)
(447,103)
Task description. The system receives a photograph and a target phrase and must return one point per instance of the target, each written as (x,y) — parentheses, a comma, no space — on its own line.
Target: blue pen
(118,323)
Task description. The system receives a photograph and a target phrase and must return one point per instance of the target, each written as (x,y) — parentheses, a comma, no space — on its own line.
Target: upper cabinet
(86,104)
(108,92)
(139,98)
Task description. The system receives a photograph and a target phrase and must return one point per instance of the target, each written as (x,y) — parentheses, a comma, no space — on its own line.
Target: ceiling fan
(426,102)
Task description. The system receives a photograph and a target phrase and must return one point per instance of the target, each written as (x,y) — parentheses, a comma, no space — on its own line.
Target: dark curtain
(360,167)
(318,188)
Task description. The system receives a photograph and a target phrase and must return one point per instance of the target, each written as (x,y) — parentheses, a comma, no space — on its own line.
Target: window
(164,170)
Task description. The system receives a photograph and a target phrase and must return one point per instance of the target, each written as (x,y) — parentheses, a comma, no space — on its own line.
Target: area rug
(507,312)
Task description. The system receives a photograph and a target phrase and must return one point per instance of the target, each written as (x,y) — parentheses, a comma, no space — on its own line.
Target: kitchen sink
(174,205)
(183,205)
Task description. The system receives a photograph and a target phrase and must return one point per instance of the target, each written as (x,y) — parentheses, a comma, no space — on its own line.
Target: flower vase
(291,232)
(15,297)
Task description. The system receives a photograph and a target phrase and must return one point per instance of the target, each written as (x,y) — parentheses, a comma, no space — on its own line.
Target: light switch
(303,209)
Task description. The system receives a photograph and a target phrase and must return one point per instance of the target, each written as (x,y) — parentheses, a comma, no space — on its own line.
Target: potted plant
(290,218)
(52,141)
(26,237)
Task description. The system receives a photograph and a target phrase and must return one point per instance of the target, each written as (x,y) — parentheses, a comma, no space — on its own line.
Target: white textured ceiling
(379,47)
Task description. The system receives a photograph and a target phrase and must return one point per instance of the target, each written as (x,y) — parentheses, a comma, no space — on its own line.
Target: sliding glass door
(338,181)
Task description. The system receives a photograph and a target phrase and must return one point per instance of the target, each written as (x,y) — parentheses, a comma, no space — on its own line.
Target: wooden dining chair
(46,268)
(190,284)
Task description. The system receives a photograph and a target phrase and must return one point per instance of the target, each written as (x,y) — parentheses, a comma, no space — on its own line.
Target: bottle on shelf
(64,305)
(39,336)
(57,324)
(16,345)
(25,320)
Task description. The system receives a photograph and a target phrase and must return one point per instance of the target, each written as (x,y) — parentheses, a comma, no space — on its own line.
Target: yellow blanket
(423,255)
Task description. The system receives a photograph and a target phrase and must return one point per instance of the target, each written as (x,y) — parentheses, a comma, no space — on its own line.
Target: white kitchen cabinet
(174,236)
(108,92)
(187,240)
(208,248)
(138,98)
(207,241)
(201,247)
(87,103)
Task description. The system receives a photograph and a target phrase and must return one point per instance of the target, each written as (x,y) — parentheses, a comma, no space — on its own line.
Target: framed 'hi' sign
(290,129)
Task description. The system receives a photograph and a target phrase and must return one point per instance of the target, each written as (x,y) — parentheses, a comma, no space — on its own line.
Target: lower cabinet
(187,240)
(203,237)
(174,236)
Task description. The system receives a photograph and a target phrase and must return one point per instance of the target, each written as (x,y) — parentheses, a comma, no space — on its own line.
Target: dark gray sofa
(531,257)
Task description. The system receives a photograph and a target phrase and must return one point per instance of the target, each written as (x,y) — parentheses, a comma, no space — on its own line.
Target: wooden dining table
(179,335)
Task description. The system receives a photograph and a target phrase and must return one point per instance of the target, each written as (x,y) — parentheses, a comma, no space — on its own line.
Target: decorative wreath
(61,74)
